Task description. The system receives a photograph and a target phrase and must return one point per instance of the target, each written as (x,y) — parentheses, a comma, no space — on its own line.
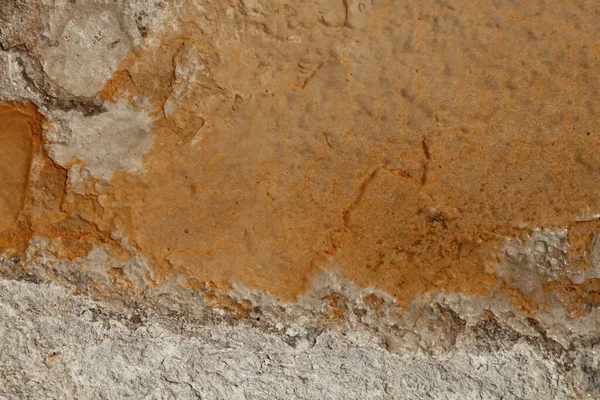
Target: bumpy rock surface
(299,199)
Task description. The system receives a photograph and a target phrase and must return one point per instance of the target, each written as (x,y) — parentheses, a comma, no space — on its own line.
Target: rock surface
(309,199)
(79,348)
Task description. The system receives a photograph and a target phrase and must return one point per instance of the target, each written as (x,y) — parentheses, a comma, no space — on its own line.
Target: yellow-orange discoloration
(374,303)
(287,144)
(216,299)
(73,223)
(404,169)
(16,149)
(578,299)
(337,304)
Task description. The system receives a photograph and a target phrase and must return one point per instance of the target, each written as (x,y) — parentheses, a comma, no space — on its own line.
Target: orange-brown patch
(216,299)
(16,125)
(374,303)
(73,223)
(406,176)
(578,299)
(337,305)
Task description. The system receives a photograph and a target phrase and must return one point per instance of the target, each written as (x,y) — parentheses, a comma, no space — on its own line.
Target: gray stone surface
(59,346)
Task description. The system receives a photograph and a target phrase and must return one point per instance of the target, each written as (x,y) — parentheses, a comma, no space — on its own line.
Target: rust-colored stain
(374,303)
(41,204)
(400,154)
(16,125)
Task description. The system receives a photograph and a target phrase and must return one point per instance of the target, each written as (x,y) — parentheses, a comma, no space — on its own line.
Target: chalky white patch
(114,140)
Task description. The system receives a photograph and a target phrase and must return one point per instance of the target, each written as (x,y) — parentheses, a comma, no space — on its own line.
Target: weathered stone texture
(424,171)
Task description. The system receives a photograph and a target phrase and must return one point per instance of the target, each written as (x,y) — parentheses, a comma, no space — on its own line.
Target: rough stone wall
(305,199)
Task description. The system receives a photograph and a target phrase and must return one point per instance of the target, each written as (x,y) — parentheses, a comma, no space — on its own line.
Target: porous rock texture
(269,199)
